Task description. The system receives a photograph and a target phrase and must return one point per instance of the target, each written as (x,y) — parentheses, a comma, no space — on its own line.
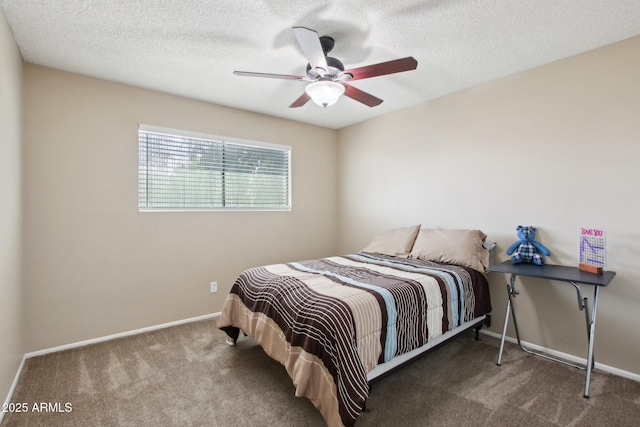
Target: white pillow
(397,242)
(462,247)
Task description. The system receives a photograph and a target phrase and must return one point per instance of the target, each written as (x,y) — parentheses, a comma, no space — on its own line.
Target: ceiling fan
(326,75)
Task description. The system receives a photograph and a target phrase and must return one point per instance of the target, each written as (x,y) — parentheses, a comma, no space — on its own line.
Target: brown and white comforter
(332,320)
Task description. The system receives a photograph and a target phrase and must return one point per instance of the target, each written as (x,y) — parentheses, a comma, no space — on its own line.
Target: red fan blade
(383,68)
(311,47)
(271,76)
(361,96)
(304,98)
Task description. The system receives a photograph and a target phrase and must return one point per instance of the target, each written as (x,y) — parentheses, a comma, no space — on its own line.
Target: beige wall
(556,147)
(11,346)
(96,266)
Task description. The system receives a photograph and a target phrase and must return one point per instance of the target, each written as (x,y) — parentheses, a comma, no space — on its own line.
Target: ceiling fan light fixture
(324,92)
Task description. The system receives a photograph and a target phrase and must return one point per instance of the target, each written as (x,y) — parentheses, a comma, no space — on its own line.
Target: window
(185,170)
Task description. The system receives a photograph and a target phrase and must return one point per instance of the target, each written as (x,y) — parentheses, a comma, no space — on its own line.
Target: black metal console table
(561,273)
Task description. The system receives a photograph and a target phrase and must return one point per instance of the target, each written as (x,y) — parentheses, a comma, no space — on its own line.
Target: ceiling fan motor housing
(334,65)
(327,44)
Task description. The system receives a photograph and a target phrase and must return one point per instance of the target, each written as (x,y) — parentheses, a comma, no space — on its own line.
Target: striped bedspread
(330,321)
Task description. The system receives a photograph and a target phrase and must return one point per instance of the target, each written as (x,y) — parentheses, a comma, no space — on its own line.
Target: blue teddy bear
(526,250)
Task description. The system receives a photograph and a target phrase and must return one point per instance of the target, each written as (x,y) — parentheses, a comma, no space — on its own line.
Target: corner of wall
(11,309)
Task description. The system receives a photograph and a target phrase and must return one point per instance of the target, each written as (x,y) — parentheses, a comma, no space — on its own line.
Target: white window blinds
(185,170)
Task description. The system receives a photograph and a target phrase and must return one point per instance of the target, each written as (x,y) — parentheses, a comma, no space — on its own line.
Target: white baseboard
(13,386)
(568,357)
(120,335)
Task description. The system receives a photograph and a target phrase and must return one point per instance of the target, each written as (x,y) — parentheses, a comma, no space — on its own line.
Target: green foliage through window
(183,170)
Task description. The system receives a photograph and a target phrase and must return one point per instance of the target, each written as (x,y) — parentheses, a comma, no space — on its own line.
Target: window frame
(215,138)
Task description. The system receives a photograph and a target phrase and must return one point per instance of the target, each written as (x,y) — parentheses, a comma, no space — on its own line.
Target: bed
(338,323)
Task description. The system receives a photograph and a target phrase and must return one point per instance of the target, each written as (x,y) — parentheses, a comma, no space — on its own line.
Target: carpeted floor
(187,376)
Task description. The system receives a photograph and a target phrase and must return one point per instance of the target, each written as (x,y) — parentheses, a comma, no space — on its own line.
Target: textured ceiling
(191,47)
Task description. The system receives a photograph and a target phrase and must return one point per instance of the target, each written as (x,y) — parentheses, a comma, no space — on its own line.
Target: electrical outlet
(214,287)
